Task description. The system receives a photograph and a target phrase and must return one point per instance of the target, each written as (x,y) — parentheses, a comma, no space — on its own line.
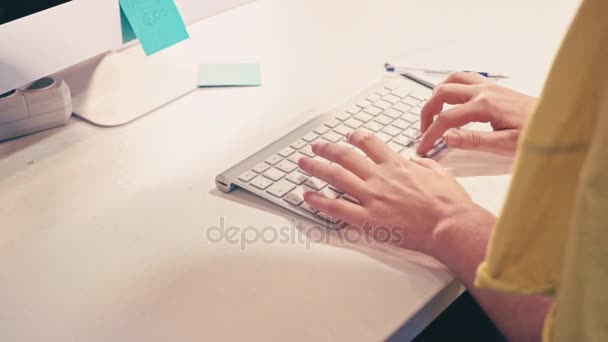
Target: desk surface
(103,233)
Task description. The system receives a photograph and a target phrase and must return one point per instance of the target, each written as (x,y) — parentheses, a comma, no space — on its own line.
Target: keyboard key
(247,176)
(342,116)
(286,166)
(373,110)
(392,86)
(395,147)
(328,218)
(409,117)
(261,182)
(402,140)
(342,130)
(364,117)
(402,92)
(274,174)
(310,137)
(353,109)
(294,158)
(322,130)
(261,168)
(412,133)
(353,123)
(299,144)
(392,113)
(373,97)
(332,136)
(391,98)
(383,136)
(383,104)
(364,103)
(329,193)
(307,151)
(409,152)
(401,124)
(281,188)
(416,111)
(374,126)
(383,91)
(421,95)
(286,152)
(297,178)
(332,123)
(410,101)
(308,208)
(295,197)
(402,107)
(391,130)
(274,159)
(383,119)
(316,183)
(304,172)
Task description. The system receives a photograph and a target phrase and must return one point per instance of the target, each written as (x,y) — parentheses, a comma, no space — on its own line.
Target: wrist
(460,225)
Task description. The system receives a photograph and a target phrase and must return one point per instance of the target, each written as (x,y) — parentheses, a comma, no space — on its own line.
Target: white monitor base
(116,89)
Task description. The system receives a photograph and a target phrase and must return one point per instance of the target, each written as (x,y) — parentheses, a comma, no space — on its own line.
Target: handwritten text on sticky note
(157,23)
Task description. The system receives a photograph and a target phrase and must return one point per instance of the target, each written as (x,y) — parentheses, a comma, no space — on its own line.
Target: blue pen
(390,68)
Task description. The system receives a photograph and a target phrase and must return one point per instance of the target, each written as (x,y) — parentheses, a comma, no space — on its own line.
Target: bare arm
(460,244)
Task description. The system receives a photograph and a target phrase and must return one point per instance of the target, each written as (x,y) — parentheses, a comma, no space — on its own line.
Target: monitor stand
(117,88)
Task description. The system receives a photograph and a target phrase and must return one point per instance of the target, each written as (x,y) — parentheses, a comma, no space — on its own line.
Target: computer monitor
(40,37)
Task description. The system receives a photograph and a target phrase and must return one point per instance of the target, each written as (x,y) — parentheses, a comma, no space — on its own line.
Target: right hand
(479,100)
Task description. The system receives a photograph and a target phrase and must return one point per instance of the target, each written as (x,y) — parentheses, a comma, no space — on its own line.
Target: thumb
(498,142)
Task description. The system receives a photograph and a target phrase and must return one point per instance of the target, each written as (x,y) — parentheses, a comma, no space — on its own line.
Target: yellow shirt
(552,236)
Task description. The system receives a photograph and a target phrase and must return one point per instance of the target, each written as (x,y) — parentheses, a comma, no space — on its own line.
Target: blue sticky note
(157,23)
(229,75)
(127,31)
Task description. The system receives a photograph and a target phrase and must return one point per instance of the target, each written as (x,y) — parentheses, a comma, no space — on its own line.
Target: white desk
(103,231)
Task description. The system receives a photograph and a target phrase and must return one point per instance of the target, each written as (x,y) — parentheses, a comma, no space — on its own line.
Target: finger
(445,93)
(337,208)
(336,176)
(463,77)
(451,118)
(347,157)
(427,163)
(375,149)
(499,142)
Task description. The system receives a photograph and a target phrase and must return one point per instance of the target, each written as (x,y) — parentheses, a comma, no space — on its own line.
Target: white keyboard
(390,109)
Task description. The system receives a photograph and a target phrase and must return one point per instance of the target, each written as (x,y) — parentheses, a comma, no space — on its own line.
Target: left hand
(416,196)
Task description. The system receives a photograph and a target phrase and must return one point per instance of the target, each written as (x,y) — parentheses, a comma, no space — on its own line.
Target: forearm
(460,244)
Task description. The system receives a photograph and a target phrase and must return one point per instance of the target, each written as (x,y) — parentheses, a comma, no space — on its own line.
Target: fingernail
(348,135)
(453,138)
(303,162)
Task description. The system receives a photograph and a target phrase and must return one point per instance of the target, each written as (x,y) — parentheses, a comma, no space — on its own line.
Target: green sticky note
(157,23)
(229,75)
